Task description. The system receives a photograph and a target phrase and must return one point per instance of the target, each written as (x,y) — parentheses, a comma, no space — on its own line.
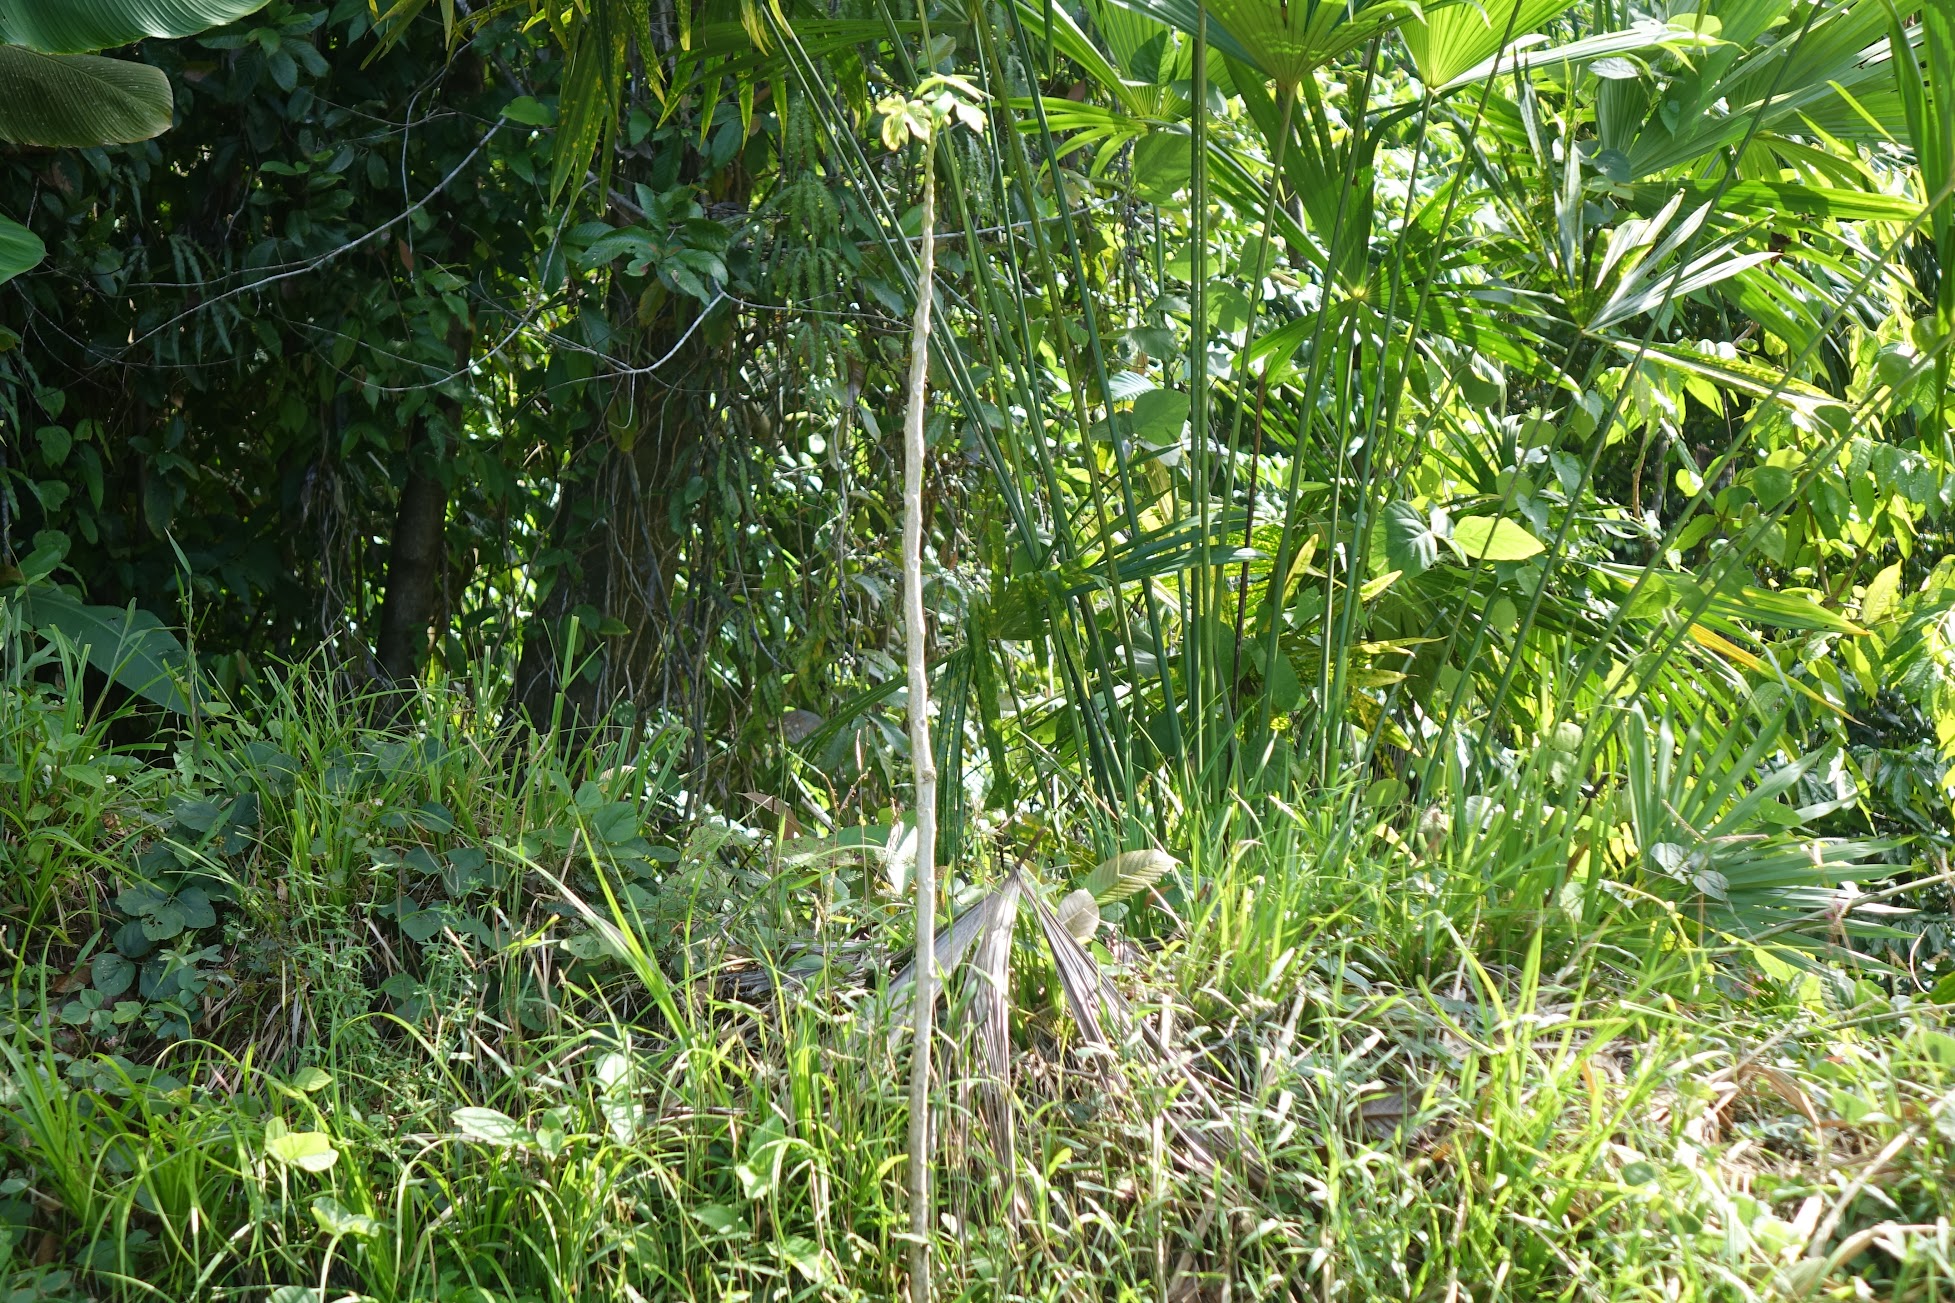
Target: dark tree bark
(614,529)
(414,568)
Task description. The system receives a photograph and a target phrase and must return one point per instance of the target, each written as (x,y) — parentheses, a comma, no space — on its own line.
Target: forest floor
(301,1009)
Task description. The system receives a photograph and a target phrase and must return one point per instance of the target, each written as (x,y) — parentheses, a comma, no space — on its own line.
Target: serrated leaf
(1127,873)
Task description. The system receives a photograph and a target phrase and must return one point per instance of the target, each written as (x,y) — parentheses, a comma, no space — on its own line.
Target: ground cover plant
(1376,573)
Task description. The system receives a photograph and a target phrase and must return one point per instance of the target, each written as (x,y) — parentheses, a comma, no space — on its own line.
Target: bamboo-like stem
(922,756)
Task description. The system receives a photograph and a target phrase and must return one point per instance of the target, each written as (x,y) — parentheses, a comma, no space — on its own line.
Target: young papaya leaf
(1411,543)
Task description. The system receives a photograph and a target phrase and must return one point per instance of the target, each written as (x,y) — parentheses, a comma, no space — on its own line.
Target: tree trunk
(414,566)
(614,530)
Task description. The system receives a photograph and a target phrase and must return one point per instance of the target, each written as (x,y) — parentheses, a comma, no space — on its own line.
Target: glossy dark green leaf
(79,100)
(130,646)
(80,26)
(112,974)
(20,249)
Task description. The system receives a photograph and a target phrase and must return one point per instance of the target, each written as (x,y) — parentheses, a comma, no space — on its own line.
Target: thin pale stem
(922,754)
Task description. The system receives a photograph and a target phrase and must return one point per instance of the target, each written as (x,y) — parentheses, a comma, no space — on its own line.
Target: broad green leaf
(309,1151)
(1453,39)
(129,646)
(80,26)
(112,974)
(529,111)
(336,1219)
(1482,538)
(141,900)
(1161,166)
(1127,873)
(717,1218)
(79,100)
(1411,543)
(492,1126)
(1159,416)
(1079,914)
(164,922)
(615,1096)
(1883,595)
(20,249)
(423,925)
(194,904)
(1280,682)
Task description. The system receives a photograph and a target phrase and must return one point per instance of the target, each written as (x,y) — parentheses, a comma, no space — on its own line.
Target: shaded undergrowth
(300,1008)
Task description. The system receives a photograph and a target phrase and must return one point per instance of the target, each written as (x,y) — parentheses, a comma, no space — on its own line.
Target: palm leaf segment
(978,942)
(1284,41)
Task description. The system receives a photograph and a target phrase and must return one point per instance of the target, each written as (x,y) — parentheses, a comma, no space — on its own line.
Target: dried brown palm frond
(1113,1039)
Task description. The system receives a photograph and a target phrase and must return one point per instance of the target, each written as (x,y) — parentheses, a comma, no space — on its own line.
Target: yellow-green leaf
(309,1151)
(1484,538)
(1882,597)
